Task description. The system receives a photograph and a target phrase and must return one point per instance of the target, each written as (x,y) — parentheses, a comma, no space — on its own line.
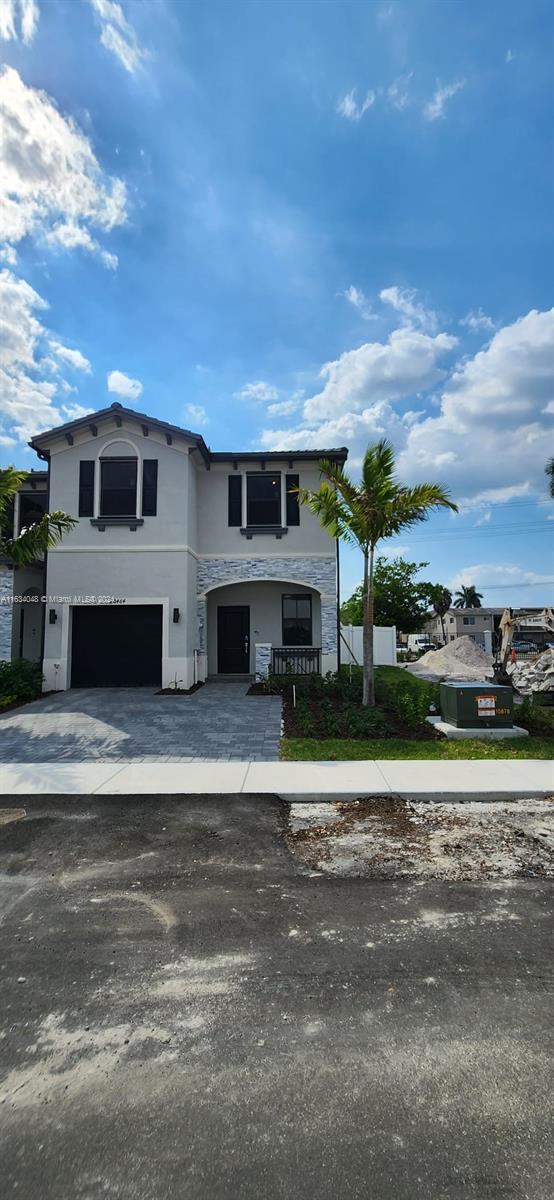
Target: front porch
(269,626)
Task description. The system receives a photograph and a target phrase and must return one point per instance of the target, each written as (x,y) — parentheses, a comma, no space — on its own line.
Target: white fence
(384,645)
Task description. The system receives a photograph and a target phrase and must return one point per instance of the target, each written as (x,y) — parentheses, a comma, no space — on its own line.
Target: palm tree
(441,599)
(549,468)
(362,514)
(468,597)
(36,539)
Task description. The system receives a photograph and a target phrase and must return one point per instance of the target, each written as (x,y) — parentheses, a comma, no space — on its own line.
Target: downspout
(339,635)
(45,576)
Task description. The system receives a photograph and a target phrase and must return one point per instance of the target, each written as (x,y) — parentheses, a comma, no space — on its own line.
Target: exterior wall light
(52,616)
(176,616)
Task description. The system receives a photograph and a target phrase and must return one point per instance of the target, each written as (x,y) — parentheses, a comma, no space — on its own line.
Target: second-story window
(263,499)
(118,487)
(32,507)
(468,620)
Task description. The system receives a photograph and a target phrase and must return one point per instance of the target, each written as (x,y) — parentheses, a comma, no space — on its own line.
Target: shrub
(20,680)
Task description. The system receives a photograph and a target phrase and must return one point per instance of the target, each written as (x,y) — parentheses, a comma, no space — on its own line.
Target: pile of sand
(460,659)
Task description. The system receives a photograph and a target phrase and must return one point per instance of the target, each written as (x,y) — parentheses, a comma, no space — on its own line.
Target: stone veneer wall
(6,591)
(318,573)
(263,660)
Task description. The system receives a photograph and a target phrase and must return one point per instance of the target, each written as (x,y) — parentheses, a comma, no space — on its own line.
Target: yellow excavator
(511,621)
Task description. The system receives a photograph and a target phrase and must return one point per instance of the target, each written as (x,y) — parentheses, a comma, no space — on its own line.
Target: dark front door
(233,639)
(119,646)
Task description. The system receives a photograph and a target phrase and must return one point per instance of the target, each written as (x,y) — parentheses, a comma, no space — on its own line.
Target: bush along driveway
(328,721)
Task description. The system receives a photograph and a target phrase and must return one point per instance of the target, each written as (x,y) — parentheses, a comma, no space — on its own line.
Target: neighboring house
(467,622)
(477,623)
(184,562)
(22,622)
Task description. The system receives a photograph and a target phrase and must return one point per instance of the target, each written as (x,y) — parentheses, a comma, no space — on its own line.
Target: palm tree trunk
(368,692)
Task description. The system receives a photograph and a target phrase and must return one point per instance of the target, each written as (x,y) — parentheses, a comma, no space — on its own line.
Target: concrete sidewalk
(462,778)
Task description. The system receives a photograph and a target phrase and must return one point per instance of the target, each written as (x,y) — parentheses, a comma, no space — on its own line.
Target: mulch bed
(293,728)
(22,703)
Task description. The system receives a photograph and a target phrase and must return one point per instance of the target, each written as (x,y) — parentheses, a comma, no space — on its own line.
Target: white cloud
(74,358)
(359,300)
(484,519)
(51,184)
(348,106)
(18,14)
(434,109)
(283,409)
(398,92)
(482,574)
(476,321)
(117,35)
(413,312)
(122,385)
(196,414)
(346,430)
(510,56)
(259,390)
(28,394)
(73,237)
(8,254)
(379,371)
(492,417)
(549,408)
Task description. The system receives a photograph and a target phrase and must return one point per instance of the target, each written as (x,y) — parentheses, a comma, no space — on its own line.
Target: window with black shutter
(149,487)
(293,507)
(263,499)
(86,488)
(118,487)
(235,500)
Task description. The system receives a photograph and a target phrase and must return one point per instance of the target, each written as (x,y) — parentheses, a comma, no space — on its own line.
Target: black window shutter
(293,507)
(235,499)
(86,488)
(149,487)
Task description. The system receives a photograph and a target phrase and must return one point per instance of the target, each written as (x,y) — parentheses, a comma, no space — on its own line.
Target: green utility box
(477,705)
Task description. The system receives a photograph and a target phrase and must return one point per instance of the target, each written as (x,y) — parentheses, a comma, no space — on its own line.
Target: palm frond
(10,481)
(33,542)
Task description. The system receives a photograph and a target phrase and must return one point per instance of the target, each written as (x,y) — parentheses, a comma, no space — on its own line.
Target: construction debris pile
(535,676)
(461,659)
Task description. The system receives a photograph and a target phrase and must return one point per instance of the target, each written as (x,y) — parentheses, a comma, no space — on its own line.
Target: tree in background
(399,599)
(441,600)
(36,539)
(468,597)
(365,513)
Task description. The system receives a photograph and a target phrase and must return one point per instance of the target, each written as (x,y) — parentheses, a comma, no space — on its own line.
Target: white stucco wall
(216,537)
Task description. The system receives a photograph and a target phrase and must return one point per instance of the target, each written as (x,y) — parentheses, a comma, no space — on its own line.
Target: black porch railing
(296,660)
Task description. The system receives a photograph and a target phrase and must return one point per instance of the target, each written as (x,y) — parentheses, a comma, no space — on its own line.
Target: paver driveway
(220,722)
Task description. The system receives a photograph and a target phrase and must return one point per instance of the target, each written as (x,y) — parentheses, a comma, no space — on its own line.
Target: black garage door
(119,646)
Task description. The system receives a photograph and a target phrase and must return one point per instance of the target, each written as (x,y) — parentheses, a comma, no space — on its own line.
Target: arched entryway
(248,623)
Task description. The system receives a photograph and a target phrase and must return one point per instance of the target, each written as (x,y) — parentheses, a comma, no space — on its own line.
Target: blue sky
(294,224)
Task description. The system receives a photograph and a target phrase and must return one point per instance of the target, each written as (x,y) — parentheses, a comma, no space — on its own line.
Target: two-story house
(184,562)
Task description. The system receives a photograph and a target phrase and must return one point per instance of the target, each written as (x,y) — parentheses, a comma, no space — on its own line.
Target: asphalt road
(187,1016)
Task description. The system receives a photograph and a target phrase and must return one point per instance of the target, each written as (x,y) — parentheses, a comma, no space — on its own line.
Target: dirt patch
(388,838)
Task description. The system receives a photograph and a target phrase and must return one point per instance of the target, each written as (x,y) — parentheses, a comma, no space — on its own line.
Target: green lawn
(335,749)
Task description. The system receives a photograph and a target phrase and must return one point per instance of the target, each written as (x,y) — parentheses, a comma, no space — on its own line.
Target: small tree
(400,599)
(365,513)
(36,539)
(468,597)
(441,599)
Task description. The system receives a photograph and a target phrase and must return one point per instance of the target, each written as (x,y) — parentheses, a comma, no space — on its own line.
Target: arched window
(118,487)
